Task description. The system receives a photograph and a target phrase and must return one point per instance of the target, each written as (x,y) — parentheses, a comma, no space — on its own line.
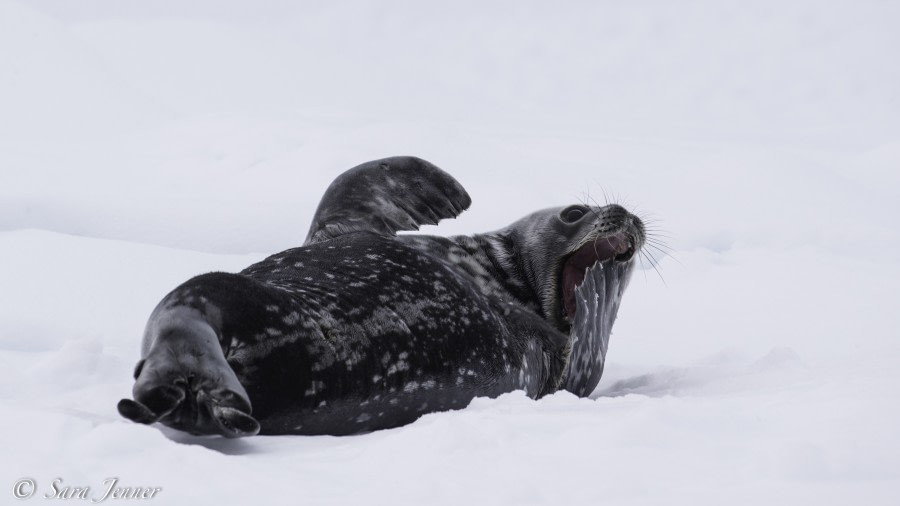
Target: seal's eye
(572,214)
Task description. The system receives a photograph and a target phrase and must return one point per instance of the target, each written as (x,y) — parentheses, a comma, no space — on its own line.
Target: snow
(144,142)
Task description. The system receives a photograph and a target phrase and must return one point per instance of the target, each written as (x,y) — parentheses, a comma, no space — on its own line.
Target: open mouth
(617,247)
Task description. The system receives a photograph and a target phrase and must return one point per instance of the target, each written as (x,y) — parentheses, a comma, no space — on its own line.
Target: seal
(361,329)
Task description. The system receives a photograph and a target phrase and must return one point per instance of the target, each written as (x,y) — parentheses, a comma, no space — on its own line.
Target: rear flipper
(387,195)
(185,383)
(234,423)
(160,402)
(206,415)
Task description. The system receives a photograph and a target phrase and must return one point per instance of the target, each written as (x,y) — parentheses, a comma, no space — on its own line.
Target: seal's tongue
(596,304)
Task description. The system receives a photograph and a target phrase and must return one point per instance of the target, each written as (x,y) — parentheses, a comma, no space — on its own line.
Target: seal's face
(614,236)
(558,245)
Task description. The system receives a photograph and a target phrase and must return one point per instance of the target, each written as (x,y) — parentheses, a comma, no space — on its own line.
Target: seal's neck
(496,254)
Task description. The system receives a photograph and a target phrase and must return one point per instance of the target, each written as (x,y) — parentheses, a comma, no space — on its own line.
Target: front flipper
(597,300)
(549,355)
(387,195)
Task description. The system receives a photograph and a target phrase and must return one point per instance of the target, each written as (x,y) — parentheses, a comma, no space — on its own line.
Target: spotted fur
(360,329)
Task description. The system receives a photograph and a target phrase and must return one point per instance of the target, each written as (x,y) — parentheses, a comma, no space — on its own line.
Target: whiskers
(653,247)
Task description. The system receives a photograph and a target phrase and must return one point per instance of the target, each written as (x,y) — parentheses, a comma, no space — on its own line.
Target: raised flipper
(387,195)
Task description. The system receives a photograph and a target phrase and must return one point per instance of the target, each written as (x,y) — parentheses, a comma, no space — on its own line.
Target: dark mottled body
(361,329)
(364,332)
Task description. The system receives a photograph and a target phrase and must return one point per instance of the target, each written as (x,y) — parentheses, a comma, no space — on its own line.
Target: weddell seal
(362,329)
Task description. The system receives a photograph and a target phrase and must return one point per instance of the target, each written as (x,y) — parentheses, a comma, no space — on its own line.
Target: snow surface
(144,142)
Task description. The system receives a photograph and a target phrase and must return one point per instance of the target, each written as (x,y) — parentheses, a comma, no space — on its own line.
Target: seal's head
(556,246)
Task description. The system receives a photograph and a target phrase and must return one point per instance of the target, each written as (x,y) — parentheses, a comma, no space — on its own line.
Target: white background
(145,142)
